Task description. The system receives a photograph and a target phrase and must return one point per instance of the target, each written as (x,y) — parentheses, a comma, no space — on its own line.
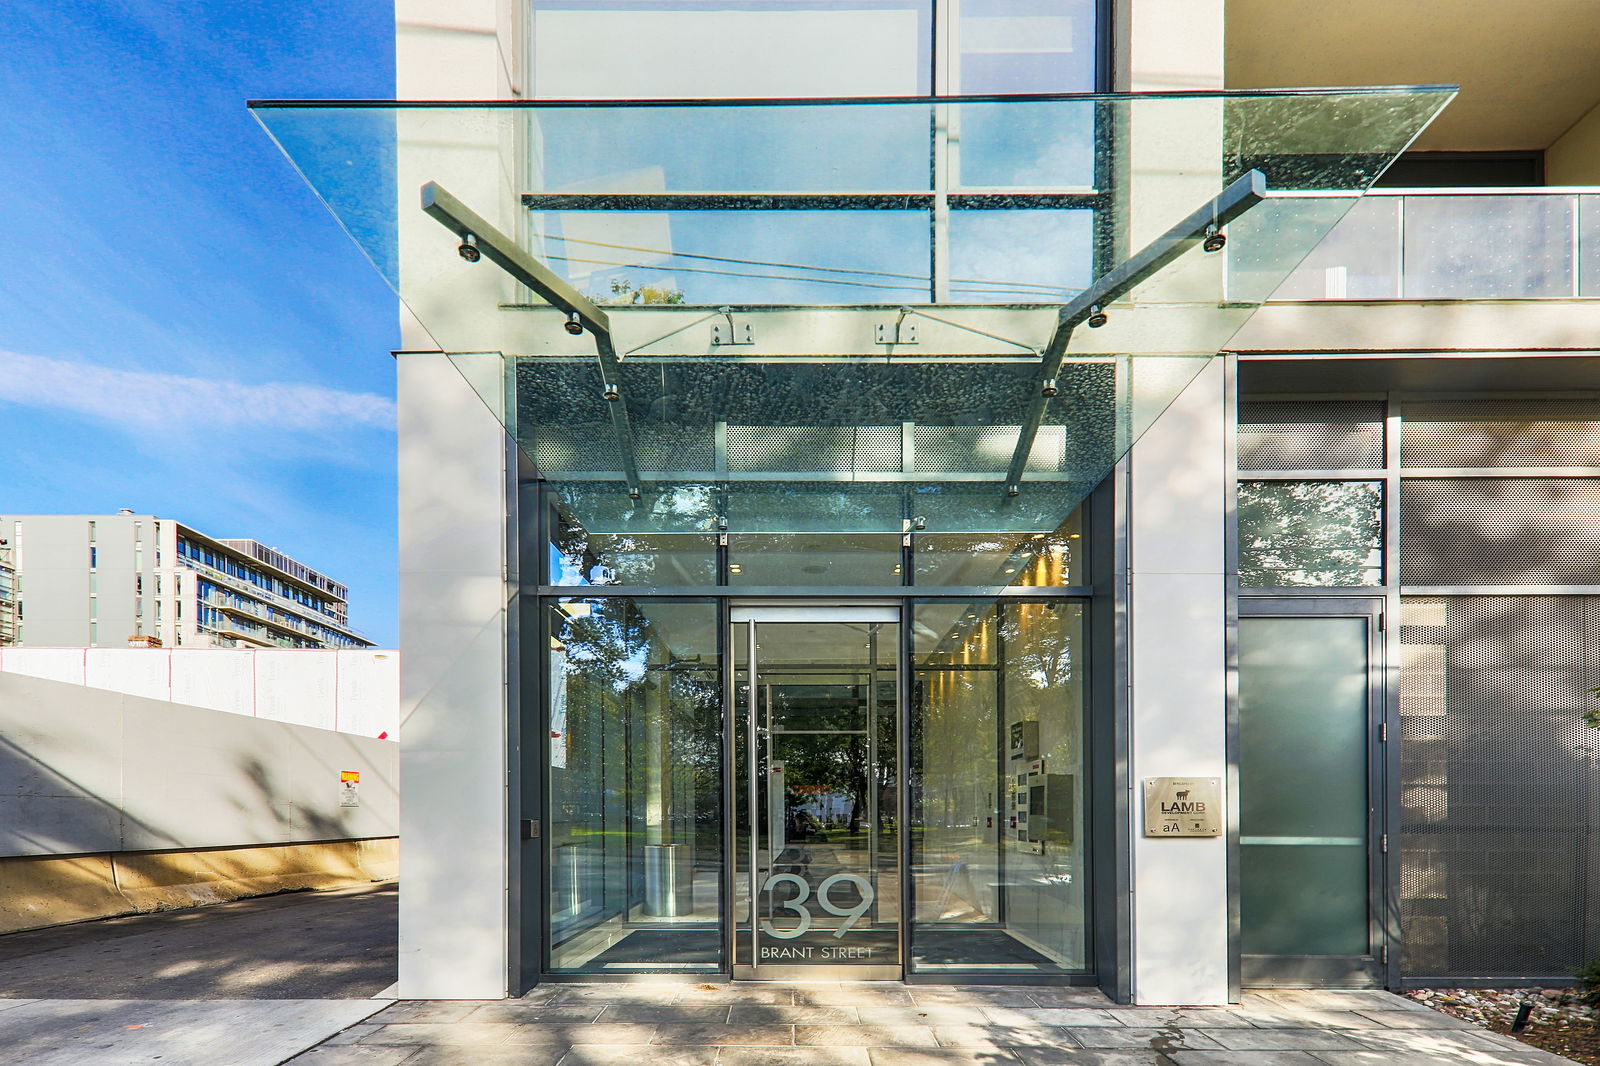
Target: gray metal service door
(1310,792)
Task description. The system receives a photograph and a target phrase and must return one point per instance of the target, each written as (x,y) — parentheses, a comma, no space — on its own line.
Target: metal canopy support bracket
(1202,225)
(511,257)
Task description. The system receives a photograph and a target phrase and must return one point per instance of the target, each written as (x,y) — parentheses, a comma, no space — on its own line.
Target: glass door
(1311,859)
(816,702)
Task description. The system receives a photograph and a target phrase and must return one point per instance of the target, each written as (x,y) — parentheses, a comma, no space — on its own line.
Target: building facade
(8,600)
(84,581)
(984,492)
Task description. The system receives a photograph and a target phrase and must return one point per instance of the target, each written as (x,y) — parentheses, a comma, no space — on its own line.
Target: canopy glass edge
(843,304)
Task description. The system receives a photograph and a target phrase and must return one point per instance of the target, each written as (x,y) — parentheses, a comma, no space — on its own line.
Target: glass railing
(1457,244)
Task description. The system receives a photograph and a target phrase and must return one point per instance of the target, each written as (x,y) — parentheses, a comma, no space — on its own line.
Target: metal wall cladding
(1311,435)
(1499,531)
(1500,798)
(1501,433)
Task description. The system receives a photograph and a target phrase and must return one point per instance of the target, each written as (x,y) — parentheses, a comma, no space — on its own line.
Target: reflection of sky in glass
(800,148)
(1046,254)
(1029,144)
(733,257)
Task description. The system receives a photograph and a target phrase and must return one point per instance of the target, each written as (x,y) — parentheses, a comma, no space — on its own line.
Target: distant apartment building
(8,603)
(116,580)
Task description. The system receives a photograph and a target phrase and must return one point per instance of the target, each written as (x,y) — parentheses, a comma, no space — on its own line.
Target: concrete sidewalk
(248,983)
(910,1025)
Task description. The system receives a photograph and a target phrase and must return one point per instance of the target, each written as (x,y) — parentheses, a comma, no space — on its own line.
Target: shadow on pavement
(303,945)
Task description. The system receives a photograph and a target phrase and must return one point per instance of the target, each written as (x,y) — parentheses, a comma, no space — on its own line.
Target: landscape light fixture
(468,248)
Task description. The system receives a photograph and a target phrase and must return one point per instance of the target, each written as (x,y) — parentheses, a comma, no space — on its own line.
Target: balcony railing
(1457,244)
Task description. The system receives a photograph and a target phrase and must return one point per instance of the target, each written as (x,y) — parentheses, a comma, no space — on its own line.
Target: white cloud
(173,401)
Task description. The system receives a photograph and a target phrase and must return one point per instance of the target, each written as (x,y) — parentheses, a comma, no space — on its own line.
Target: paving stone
(541,993)
(1403,1019)
(762,1013)
(793,1056)
(1245,1058)
(481,1055)
(1409,1058)
(427,1010)
(621,993)
(930,1014)
(1275,1016)
(1339,999)
(856,996)
(866,1035)
(1436,1041)
(1478,1046)
(975,995)
(629,1055)
(353,1055)
(512,1010)
(728,995)
(910,1056)
(1283,1039)
(352,1035)
(1002,1036)
(421,1033)
(643,1012)
(1030,1056)
(1069,996)
(1192,1018)
(1121,1036)
(1073,1016)
(723,1034)
(580,1033)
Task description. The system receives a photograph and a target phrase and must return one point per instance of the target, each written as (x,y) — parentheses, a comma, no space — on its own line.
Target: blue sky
(184,329)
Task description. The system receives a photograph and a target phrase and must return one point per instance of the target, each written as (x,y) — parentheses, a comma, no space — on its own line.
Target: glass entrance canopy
(858,315)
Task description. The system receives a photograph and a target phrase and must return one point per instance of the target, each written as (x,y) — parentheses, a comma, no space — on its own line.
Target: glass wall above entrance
(985,298)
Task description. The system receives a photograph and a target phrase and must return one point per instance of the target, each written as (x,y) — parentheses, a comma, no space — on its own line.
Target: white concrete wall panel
(135,671)
(368,694)
(86,770)
(219,678)
(296,686)
(60,768)
(222,779)
(1179,694)
(355,690)
(54,664)
(454,825)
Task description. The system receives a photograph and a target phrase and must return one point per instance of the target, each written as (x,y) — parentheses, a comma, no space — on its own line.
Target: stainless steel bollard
(668,880)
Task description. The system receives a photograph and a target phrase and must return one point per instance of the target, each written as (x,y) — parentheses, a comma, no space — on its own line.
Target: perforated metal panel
(1500,531)
(1496,433)
(984,449)
(814,449)
(1499,788)
(557,449)
(1310,435)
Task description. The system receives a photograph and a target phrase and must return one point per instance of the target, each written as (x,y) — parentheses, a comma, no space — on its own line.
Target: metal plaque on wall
(1182,807)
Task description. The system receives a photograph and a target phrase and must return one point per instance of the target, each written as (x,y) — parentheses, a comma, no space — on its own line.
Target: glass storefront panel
(997,776)
(634,700)
(850,559)
(1035,560)
(818,785)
